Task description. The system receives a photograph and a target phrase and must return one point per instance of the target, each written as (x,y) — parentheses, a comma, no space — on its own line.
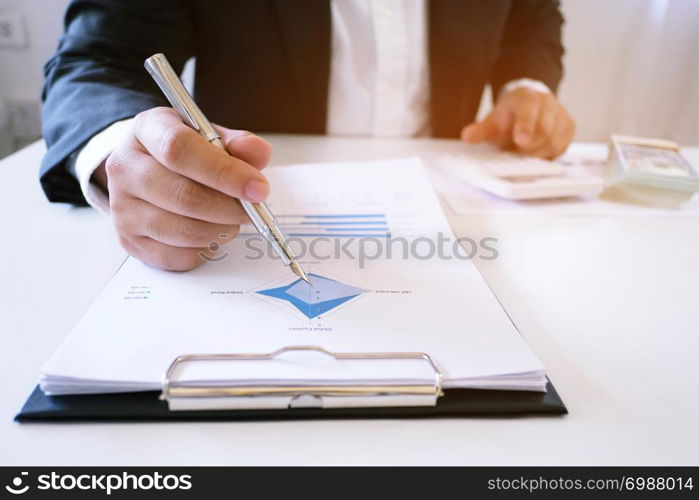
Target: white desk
(609,304)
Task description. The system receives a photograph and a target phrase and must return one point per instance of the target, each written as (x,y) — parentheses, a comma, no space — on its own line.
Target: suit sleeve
(97,76)
(531,45)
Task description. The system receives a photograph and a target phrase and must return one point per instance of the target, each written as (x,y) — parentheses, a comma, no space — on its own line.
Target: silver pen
(259,214)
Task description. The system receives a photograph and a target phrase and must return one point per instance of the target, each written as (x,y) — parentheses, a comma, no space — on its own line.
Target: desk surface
(608,303)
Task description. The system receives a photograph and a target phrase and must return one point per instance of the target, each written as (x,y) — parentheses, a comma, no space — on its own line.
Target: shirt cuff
(524,83)
(91,156)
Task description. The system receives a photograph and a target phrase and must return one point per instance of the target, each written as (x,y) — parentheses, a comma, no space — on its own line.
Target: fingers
(495,129)
(555,131)
(545,128)
(476,132)
(558,141)
(161,255)
(173,196)
(166,240)
(140,218)
(526,118)
(185,152)
(247,146)
(530,122)
(145,178)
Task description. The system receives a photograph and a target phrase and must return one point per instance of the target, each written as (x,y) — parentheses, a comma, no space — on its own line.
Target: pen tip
(304,277)
(300,272)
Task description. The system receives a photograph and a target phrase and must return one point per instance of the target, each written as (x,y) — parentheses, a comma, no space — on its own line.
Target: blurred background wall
(632,66)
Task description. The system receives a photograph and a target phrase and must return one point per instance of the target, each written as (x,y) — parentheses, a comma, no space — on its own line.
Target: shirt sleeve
(524,83)
(91,156)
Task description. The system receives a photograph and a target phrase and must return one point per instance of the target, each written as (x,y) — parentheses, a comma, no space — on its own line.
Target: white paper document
(371,236)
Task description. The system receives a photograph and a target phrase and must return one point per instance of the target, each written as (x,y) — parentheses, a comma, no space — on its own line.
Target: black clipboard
(159,406)
(145,406)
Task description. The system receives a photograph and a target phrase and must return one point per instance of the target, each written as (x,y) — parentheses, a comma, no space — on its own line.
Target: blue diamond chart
(325,295)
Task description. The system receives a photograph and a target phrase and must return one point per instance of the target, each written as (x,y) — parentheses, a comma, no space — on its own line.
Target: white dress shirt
(379,81)
(378,74)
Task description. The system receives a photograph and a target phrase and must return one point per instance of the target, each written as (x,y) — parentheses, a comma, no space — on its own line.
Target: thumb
(484,131)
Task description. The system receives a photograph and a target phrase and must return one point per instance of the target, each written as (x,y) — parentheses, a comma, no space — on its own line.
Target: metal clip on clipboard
(242,394)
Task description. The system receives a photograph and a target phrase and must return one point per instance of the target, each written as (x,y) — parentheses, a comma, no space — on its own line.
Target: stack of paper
(388,276)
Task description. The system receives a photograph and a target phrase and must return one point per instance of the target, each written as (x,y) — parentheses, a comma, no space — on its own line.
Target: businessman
(390,68)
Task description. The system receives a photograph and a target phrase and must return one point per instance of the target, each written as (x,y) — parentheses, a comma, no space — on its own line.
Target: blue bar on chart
(330,225)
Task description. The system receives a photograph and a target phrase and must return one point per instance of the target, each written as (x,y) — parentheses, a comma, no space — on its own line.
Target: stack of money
(650,162)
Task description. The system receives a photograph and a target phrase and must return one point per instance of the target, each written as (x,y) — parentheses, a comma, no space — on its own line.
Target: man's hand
(171,193)
(530,122)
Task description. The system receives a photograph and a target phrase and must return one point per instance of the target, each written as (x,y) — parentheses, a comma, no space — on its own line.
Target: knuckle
(525,116)
(140,120)
(188,197)
(548,129)
(114,165)
(190,231)
(221,176)
(153,227)
(144,118)
(173,146)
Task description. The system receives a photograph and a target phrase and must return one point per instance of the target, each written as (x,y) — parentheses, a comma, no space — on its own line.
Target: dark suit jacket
(263,65)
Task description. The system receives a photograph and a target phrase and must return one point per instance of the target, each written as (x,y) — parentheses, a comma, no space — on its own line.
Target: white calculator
(517,177)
